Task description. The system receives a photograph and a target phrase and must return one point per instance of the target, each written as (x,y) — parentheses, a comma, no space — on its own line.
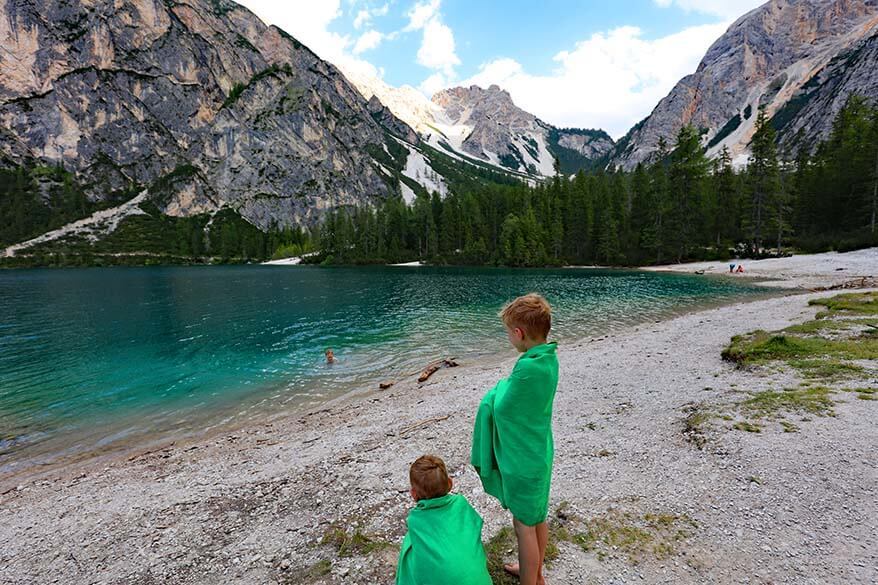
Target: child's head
(528,320)
(330,355)
(429,478)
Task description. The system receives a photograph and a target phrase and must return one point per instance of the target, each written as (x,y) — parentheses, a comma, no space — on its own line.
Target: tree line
(678,206)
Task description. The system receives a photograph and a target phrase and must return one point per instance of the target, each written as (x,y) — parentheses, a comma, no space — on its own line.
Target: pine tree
(764,181)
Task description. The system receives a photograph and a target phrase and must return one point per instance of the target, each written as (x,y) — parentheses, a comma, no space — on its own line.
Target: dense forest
(680,206)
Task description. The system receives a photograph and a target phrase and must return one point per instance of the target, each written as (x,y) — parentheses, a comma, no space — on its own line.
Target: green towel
(443,545)
(512,440)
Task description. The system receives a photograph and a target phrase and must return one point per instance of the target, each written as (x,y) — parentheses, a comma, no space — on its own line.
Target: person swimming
(330,355)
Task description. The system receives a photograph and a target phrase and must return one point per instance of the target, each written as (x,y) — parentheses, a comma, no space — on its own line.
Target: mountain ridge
(765,59)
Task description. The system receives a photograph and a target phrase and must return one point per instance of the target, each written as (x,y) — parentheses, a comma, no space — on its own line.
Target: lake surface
(91,358)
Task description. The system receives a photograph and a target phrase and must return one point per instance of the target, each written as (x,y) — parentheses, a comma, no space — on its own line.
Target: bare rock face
(128,92)
(763,60)
(504,134)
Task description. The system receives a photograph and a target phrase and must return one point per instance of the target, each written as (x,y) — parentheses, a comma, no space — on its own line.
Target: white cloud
(437,48)
(437,51)
(363,17)
(421,13)
(726,9)
(368,41)
(366,15)
(610,81)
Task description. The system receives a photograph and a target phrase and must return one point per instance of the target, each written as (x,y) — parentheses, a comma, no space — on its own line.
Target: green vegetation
(771,403)
(239,88)
(851,304)
(355,543)
(34,200)
(694,425)
(827,369)
(760,346)
(747,427)
(822,351)
(638,537)
(730,126)
(497,549)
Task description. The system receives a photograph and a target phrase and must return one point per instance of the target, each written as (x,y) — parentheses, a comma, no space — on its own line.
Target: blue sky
(572,63)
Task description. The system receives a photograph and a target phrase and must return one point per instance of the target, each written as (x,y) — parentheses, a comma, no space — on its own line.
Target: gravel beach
(267,503)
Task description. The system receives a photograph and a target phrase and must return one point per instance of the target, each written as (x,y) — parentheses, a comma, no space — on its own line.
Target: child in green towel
(444,543)
(512,441)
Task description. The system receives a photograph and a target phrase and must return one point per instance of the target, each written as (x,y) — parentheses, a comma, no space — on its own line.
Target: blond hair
(428,477)
(530,313)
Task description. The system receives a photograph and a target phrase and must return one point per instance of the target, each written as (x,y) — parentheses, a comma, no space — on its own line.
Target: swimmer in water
(330,356)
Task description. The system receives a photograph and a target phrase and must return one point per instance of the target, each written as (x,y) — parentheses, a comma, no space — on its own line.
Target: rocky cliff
(808,53)
(485,124)
(236,113)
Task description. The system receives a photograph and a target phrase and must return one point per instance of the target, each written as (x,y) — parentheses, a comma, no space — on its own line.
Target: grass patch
(849,304)
(865,393)
(747,427)
(349,544)
(637,537)
(827,369)
(497,548)
(771,403)
(694,425)
(761,346)
(789,427)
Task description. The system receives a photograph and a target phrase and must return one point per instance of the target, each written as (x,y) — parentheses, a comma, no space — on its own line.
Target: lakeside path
(272,503)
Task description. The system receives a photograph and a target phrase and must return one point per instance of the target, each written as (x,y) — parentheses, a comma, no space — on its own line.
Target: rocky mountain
(485,125)
(196,101)
(799,59)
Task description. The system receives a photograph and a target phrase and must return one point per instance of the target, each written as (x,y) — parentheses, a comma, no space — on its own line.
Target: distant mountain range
(486,125)
(196,107)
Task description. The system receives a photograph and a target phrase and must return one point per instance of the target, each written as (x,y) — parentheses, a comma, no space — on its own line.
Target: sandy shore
(253,506)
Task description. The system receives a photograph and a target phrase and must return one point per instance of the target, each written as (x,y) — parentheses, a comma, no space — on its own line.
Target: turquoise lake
(95,358)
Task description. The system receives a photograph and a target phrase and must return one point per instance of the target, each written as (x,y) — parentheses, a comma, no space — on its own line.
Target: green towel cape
(443,545)
(512,440)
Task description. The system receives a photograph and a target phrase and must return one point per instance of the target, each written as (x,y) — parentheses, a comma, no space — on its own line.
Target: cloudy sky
(581,63)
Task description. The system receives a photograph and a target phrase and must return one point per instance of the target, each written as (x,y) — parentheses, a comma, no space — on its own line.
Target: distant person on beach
(740,268)
(731,268)
(330,355)
(512,447)
(443,545)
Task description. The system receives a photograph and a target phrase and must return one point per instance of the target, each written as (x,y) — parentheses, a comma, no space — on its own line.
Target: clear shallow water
(91,357)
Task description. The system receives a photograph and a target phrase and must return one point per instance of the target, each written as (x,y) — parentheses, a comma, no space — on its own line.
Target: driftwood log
(861,282)
(422,423)
(434,367)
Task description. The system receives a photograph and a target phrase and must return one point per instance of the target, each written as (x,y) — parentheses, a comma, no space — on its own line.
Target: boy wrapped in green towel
(512,441)
(444,543)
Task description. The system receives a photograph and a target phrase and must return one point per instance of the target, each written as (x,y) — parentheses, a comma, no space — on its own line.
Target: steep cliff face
(128,92)
(765,59)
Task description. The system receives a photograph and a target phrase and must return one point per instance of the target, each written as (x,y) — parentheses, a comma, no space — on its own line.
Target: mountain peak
(774,57)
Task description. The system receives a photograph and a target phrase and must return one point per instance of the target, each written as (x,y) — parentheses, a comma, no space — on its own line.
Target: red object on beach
(740,268)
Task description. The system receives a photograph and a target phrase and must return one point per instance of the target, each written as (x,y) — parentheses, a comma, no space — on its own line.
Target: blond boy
(512,447)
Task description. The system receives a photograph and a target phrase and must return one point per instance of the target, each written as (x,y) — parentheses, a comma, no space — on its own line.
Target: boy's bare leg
(542,530)
(528,553)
